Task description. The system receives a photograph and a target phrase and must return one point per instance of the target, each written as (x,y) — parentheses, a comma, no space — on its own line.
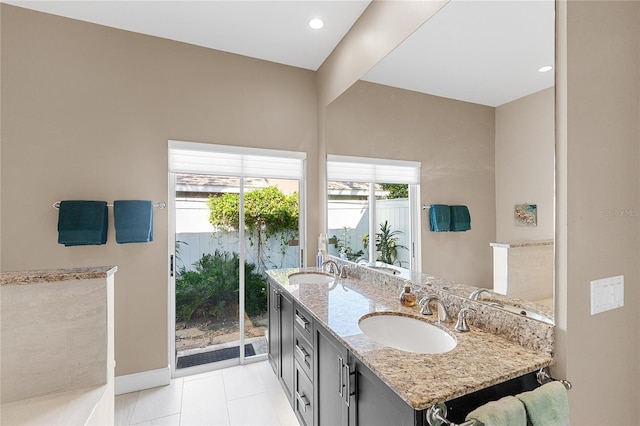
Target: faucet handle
(461,324)
(342,270)
(426,309)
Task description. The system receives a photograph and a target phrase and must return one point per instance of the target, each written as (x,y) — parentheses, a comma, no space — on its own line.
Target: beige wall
(75,92)
(86,114)
(525,144)
(453,140)
(598,171)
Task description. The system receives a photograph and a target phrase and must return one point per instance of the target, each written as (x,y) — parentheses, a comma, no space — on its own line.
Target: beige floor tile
(173,420)
(242,381)
(204,402)
(254,410)
(125,405)
(158,402)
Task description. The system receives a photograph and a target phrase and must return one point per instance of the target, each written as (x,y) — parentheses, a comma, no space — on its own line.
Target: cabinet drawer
(303,322)
(303,352)
(303,397)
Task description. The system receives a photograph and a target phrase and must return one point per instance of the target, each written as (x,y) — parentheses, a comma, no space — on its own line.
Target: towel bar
(544,377)
(162,205)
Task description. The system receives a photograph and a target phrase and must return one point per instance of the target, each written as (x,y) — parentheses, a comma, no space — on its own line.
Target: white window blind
(201,158)
(361,169)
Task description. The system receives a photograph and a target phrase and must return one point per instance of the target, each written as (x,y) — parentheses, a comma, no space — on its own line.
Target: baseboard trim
(143,380)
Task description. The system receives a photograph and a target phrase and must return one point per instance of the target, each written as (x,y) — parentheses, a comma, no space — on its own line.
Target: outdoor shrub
(213,287)
(267,212)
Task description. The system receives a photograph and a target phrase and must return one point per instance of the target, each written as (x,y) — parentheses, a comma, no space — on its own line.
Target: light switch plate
(607,293)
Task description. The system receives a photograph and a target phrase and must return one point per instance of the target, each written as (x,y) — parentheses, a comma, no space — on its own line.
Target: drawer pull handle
(303,401)
(303,353)
(340,378)
(302,321)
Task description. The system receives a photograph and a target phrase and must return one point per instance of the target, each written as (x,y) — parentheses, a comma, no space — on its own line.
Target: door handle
(171,265)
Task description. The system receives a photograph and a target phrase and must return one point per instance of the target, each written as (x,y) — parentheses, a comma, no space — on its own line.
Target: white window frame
(377,170)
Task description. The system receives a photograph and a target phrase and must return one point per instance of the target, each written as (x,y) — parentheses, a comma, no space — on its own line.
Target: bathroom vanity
(334,374)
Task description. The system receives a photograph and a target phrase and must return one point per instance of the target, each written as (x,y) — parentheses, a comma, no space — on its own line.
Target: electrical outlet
(607,293)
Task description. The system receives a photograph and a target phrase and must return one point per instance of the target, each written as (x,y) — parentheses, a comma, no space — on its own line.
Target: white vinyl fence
(195,236)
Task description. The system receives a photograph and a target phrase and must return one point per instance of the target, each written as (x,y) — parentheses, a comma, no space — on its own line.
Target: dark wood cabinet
(375,404)
(332,380)
(328,386)
(281,340)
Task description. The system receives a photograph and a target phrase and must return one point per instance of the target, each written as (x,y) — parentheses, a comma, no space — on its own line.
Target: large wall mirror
(466,95)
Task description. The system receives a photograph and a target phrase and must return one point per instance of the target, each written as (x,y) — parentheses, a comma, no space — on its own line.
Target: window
(370,196)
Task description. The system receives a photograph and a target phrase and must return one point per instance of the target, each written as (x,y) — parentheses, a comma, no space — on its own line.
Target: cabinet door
(331,378)
(375,404)
(286,345)
(274,328)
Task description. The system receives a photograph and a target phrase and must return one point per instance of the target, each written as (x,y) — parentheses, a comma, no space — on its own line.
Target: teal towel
(439,218)
(133,220)
(547,405)
(507,411)
(460,218)
(82,223)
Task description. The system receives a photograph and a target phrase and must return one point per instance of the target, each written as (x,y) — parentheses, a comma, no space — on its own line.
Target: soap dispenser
(407,297)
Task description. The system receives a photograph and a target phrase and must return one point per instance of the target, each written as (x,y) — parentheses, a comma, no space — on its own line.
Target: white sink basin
(310,278)
(406,333)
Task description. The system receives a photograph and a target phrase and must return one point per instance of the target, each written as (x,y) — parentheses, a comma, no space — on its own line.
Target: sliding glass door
(228,229)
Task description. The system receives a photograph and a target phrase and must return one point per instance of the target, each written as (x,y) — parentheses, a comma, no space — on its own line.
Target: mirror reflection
(466,97)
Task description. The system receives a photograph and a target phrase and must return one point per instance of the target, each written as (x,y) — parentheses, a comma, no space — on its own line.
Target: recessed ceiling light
(316,23)
(545,68)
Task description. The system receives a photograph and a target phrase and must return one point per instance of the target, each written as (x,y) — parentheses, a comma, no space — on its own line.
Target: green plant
(267,212)
(386,244)
(343,245)
(396,190)
(212,289)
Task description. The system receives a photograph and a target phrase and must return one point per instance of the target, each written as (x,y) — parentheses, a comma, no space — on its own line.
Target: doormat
(214,356)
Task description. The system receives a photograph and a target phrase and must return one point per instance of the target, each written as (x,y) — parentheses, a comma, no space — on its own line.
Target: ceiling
(480,51)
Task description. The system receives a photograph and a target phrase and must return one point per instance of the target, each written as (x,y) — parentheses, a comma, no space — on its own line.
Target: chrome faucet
(426,308)
(339,271)
(475,294)
(461,324)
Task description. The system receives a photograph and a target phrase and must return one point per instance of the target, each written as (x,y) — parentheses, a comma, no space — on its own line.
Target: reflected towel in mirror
(439,218)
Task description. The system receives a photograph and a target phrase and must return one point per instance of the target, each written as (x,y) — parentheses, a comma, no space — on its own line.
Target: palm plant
(386,244)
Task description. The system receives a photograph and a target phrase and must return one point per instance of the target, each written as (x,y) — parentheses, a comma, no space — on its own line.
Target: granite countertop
(479,360)
(519,244)
(54,275)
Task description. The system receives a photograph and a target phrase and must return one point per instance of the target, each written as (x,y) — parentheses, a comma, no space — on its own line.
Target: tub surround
(57,356)
(523,269)
(480,359)
(54,275)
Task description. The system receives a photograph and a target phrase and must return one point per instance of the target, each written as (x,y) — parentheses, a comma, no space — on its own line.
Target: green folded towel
(82,223)
(507,411)
(133,220)
(547,405)
(439,218)
(460,218)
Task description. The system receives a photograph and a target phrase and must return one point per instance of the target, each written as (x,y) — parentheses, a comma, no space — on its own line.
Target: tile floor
(241,395)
